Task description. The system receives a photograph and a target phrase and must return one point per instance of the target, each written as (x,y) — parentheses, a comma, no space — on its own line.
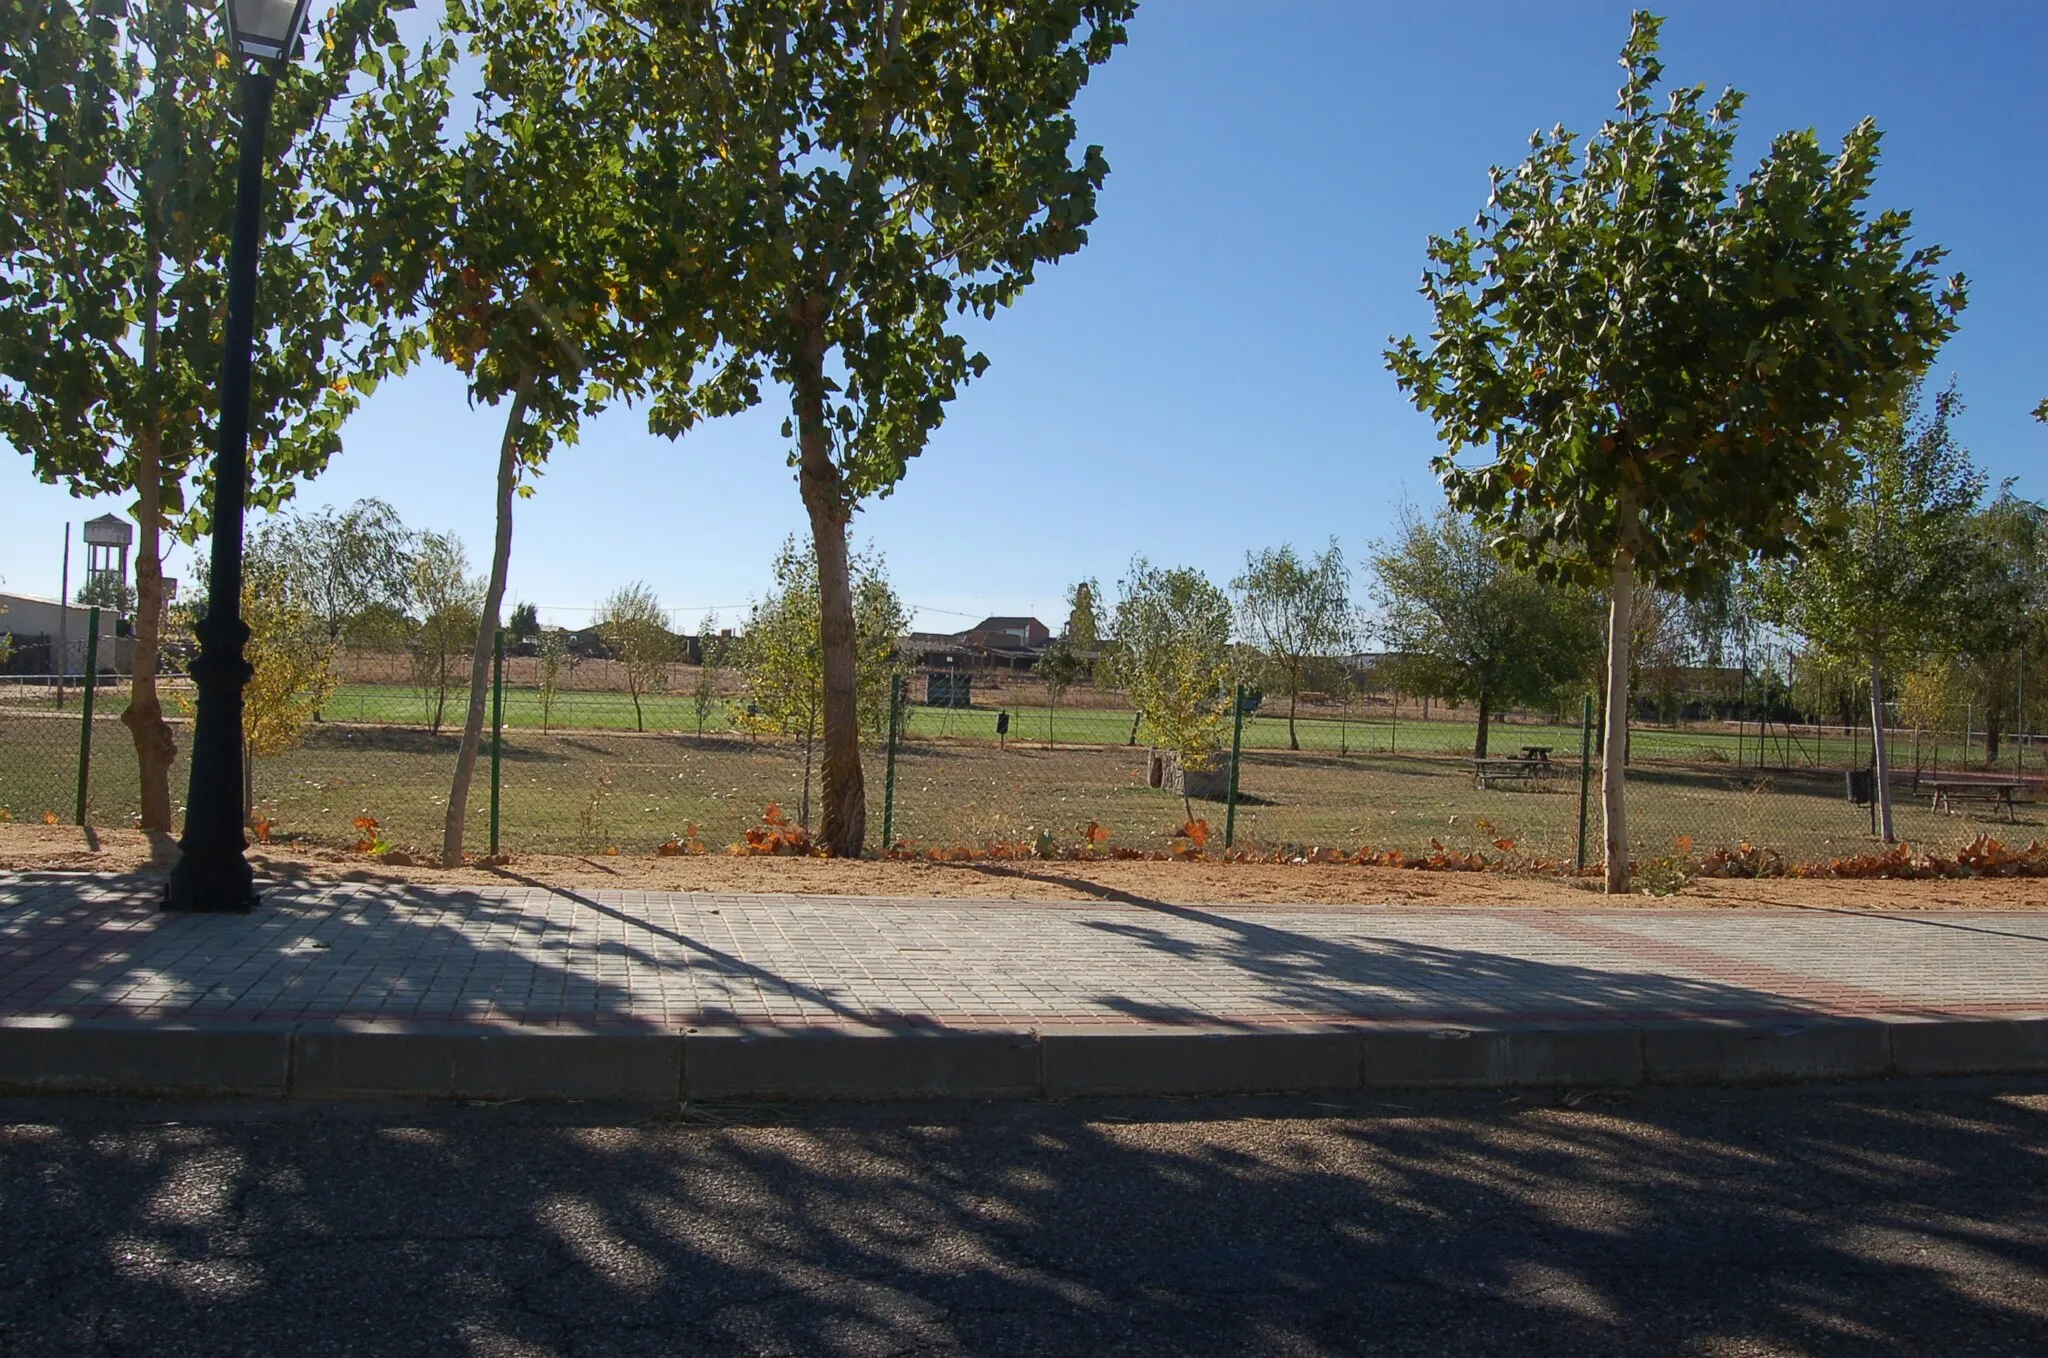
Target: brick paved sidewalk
(96,948)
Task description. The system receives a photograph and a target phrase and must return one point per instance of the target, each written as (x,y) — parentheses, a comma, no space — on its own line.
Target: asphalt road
(1895,1218)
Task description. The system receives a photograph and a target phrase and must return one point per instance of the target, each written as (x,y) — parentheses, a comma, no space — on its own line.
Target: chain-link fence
(591,772)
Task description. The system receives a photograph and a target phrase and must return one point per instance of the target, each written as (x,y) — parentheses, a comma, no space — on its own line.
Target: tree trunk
(1485,710)
(1990,738)
(154,746)
(486,636)
(843,794)
(639,721)
(1880,756)
(1293,697)
(1613,797)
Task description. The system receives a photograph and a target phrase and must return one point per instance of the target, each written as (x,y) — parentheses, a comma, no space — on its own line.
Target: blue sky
(1205,377)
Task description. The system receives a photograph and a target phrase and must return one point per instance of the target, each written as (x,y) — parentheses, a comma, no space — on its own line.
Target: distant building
(35,624)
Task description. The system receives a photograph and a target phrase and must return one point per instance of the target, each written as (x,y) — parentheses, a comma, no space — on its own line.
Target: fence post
(92,665)
(1236,749)
(1585,770)
(497,727)
(889,774)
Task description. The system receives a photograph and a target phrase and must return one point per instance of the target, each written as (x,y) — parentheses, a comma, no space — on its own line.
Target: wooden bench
(1515,768)
(1947,793)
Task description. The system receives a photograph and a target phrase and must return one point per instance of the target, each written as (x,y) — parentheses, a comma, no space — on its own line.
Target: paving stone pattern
(98,948)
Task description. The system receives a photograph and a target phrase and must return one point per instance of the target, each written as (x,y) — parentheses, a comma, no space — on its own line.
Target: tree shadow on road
(1853,1220)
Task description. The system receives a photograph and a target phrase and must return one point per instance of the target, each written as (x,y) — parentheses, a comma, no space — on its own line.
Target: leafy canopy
(1173,657)
(1659,359)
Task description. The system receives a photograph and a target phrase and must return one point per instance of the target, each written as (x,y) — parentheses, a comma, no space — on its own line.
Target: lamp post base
(211,882)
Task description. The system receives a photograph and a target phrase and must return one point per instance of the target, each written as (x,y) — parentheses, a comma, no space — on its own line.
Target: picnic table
(1533,762)
(1947,791)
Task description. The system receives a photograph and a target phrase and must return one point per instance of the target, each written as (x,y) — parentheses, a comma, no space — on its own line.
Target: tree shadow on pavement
(1875,1219)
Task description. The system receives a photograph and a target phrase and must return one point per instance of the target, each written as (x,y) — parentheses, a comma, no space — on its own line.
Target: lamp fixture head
(266,29)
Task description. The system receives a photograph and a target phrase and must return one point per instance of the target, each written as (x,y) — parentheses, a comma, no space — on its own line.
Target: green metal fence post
(497,727)
(889,775)
(92,665)
(1236,749)
(1585,771)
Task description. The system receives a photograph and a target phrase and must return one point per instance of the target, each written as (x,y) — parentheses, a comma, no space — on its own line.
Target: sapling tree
(1882,583)
(1173,658)
(710,662)
(635,631)
(1060,666)
(1640,367)
(1296,611)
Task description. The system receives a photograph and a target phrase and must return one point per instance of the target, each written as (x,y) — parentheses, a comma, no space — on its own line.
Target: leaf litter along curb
(778,836)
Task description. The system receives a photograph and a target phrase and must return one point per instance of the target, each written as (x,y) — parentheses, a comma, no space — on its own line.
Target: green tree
(710,663)
(525,621)
(290,653)
(531,292)
(1298,613)
(2000,633)
(867,172)
(782,661)
(635,630)
(346,562)
(1653,363)
(447,600)
(1061,667)
(1878,585)
(116,198)
(1084,629)
(1173,658)
(556,660)
(109,593)
(1468,626)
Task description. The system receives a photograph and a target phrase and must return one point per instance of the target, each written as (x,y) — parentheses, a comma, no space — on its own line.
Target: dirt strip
(37,848)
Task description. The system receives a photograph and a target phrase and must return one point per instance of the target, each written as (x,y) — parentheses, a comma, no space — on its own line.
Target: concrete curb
(374,1059)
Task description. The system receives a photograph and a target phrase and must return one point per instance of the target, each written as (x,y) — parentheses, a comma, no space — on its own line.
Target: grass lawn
(589,790)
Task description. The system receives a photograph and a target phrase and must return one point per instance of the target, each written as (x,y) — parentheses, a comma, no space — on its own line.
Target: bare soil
(48,848)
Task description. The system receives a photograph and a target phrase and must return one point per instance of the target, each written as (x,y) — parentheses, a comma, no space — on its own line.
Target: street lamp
(212,875)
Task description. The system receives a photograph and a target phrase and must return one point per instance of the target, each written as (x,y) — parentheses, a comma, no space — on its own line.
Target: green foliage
(635,630)
(780,658)
(107,592)
(1084,619)
(551,648)
(1298,613)
(1883,578)
(1466,626)
(1173,657)
(710,663)
(346,565)
(525,621)
(1061,667)
(1659,359)
(447,602)
(117,177)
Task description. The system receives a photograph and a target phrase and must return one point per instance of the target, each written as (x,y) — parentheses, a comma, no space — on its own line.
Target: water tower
(107,540)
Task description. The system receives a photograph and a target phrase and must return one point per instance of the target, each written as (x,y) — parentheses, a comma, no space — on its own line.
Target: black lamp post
(212,874)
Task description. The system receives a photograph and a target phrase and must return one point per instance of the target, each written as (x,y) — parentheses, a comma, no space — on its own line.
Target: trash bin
(1862,785)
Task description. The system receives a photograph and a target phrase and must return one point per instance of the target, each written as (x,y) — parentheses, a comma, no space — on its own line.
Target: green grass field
(589,790)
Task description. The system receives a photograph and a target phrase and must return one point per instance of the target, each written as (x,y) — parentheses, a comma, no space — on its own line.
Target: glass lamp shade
(266,29)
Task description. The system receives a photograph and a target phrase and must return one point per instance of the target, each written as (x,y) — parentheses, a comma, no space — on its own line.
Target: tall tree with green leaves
(1297,612)
(117,190)
(1642,367)
(1084,628)
(864,173)
(1880,583)
(1470,627)
(528,263)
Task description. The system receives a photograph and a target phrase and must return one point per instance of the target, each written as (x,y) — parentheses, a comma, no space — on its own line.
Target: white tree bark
(1621,594)
(1883,791)
(486,638)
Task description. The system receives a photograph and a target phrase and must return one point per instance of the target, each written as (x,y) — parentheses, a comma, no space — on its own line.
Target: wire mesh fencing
(587,772)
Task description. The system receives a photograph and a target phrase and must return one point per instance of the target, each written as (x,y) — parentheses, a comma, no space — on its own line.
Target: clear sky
(1205,378)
